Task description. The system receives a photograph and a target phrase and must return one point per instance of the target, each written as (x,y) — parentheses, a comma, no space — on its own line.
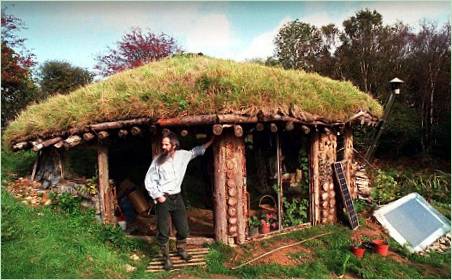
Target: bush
(66,202)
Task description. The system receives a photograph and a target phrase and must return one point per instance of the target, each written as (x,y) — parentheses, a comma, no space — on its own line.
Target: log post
(183,132)
(289,126)
(105,197)
(136,131)
(122,133)
(273,128)
(314,180)
(88,136)
(348,157)
(238,130)
(217,129)
(219,192)
(230,200)
(260,126)
(305,129)
(103,134)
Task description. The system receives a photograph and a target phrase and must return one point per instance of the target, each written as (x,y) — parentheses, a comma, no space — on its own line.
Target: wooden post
(219,192)
(348,157)
(105,196)
(279,181)
(230,200)
(314,180)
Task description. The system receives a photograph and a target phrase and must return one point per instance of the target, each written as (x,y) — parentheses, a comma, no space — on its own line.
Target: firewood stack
(362,181)
(327,156)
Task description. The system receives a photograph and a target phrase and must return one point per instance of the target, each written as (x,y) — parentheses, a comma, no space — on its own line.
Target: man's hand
(161,199)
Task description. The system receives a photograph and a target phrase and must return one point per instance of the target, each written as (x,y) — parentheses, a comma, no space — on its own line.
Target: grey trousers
(175,208)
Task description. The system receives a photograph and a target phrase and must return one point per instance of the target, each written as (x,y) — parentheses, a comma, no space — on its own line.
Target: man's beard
(164,156)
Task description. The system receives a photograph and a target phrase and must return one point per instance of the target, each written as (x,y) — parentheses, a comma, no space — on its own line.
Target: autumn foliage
(136,48)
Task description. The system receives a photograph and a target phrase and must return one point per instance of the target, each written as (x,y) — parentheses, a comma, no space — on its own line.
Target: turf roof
(195,85)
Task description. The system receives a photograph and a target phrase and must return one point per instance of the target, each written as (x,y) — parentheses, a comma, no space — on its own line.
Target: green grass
(184,85)
(45,243)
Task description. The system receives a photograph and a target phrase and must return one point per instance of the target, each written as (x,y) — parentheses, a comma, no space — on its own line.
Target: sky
(77,32)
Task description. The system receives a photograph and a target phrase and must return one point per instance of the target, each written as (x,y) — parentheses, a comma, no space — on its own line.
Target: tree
(135,49)
(298,45)
(358,53)
(430,57)
(62,77)
(17,87)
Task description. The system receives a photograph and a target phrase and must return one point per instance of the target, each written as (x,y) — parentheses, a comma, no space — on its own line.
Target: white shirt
(168,176)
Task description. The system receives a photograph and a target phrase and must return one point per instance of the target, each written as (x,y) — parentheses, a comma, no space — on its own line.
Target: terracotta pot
(265,228)
(358,251)
(381,247)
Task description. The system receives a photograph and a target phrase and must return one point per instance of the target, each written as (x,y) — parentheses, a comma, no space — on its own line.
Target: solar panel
(345,194)
(413,222)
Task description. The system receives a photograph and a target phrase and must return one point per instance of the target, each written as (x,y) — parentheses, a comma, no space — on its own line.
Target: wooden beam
(183,132)
(217,129)
(20,146)
(72,141)
(136,131)
(118,124)
(59,145)
(122,133)
(105,193)
(231,118)
(238,130)
(188,120)
(273,128)
(305,129)
(260,126)
(88,136)
(46,143)
(103,134)
(289,126)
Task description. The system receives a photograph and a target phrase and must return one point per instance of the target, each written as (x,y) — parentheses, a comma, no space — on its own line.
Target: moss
(184,85)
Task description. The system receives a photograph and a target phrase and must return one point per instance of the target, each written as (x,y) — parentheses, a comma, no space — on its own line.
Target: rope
(279,248)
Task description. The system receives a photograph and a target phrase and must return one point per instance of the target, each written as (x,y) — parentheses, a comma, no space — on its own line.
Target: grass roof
(195,85)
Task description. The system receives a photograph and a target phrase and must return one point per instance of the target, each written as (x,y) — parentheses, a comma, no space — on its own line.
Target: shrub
(385,188)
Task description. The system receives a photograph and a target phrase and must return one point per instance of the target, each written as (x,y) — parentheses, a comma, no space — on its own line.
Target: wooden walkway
(198,259)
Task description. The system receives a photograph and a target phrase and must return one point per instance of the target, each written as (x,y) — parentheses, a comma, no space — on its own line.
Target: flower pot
(265,228)
(381,247)
(358,251)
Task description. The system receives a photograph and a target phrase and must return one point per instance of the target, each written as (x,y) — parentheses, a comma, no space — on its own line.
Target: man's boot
(181,246)
(167,264)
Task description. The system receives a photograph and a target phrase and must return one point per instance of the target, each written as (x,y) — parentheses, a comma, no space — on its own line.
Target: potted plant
(381,246)
(358,249)
(266,220)
(254,224)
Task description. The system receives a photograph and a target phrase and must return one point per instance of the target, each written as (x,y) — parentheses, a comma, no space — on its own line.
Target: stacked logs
(362,182)
(348,158)
(327,156)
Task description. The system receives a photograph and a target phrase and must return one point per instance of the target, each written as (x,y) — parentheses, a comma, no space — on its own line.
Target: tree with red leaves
(17,87)
(136,48)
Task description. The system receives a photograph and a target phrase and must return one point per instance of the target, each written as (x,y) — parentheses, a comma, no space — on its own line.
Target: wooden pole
(348,157)
(106,203)
(217,129)
(314,180)
(219,192)
(238,130)
(278,174)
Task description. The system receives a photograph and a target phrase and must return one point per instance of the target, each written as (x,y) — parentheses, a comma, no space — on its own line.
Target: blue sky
(78,31)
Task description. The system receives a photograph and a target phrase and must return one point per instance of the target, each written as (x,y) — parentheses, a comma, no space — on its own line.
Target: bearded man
(163,182)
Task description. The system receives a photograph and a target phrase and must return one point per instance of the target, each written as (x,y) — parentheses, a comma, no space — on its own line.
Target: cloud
(262,45)
(210,34)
